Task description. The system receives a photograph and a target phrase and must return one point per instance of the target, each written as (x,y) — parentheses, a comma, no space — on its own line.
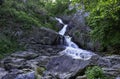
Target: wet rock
(2,72)
(30,75)
(12,63)
(25,54)
(12,75)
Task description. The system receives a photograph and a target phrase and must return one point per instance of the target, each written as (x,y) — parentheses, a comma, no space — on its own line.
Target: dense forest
(18,18)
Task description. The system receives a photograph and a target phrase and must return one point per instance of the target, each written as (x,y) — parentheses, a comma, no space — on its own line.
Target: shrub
(8,45)
(94,73)
(104,20)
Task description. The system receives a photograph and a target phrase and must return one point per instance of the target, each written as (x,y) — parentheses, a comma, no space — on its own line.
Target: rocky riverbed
(45,62)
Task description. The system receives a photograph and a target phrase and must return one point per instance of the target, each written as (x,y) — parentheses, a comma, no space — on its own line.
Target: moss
(39,72)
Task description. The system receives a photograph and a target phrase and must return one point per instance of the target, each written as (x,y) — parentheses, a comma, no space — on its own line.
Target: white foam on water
(77,53)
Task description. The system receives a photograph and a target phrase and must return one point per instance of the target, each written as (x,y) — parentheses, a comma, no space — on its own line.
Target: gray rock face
(25,54)
(65,67)
(40,36)
(11,75)
(22,65)
(2,72)
(114,69)
(114,59)
(17,74)
(13,63)
(112,72)
(30,75)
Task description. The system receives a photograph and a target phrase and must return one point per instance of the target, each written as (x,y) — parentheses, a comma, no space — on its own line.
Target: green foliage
(94,73)
(20,13)
(24,14)
(32,12)
(104,20)
(58,7)
(8,45)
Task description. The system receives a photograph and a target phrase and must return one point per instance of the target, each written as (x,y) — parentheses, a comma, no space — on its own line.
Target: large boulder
(41,35)
(66,67)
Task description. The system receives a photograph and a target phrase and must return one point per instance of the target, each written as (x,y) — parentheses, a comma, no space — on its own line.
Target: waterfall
(72,48)
(62,32)
(58,19)
(70,43)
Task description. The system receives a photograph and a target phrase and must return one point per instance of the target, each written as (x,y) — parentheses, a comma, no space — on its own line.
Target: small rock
(82,77)
(30,75)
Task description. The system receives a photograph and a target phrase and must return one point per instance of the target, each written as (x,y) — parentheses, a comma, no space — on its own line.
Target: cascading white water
(62,32)
(58,19)
(70,43)
(72,49)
